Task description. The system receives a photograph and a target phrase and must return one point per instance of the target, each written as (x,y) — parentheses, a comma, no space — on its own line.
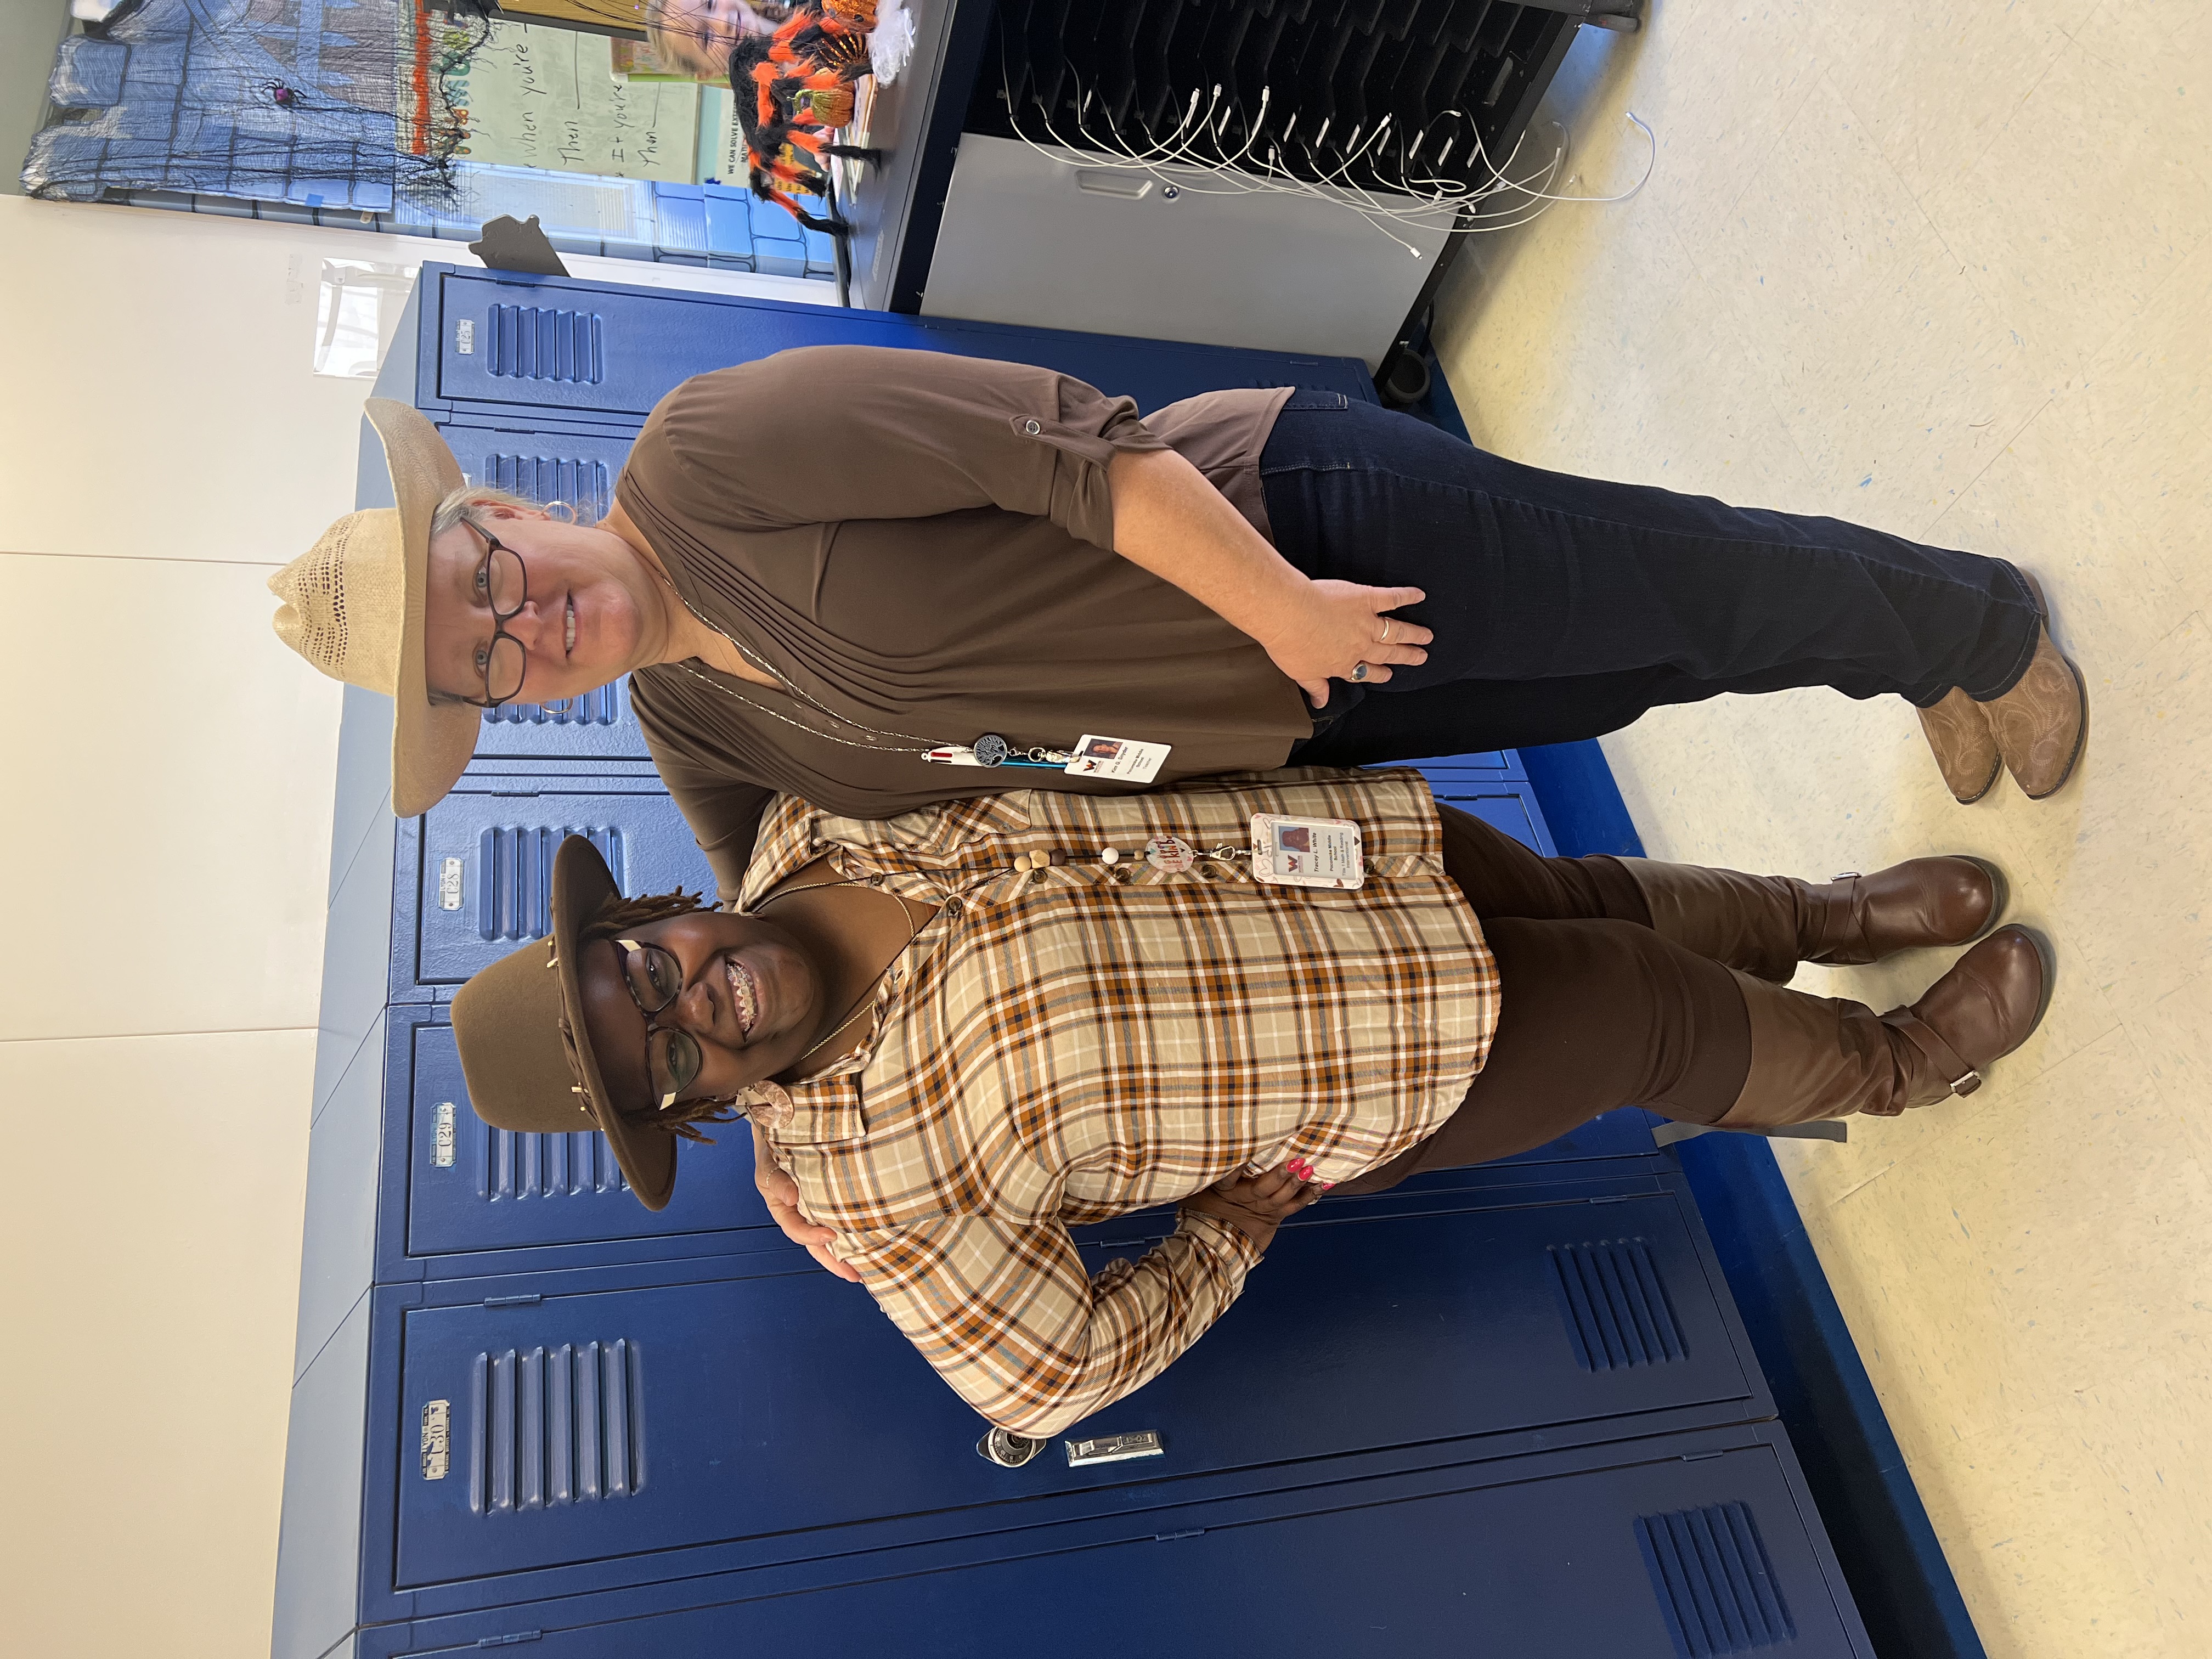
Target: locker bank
(1507,1409)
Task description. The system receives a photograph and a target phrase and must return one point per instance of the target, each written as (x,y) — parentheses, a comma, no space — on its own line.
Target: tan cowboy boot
(1958,730)
(2042,721)
(1765,926)
(1821,1057)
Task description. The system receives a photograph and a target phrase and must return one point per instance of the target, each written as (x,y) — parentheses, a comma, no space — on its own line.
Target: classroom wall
(164,445)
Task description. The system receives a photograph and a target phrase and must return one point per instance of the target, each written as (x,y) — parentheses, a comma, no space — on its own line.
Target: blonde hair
(463,504)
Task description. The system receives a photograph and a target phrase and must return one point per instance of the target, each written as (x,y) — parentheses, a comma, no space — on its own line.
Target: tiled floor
(1946,267)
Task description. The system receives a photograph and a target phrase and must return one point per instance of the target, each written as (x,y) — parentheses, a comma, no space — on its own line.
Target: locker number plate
(449,885)
(442,1137)
(465,336)
(1113,1448)
(437,1439)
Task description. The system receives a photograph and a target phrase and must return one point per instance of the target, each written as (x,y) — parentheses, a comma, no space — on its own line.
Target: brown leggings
(1595,1010)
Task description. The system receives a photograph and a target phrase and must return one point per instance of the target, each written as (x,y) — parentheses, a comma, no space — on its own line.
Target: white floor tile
(1960,257)
(166,1176)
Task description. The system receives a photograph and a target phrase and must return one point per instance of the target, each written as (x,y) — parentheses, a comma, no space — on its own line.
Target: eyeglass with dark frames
(503,584)
(655,979)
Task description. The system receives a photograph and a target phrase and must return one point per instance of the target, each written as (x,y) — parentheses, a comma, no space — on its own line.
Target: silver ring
(1358,671)
(1386,630)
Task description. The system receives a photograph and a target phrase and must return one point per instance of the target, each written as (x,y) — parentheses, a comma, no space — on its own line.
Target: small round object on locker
(1006,1448)
(1169,855)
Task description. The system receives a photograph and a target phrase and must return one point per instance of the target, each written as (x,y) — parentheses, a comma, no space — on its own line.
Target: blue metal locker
(1697,1545)
(498,342)
(620,1425)
(469,1190)
(473,879)
(597,725)
(578,467)
(1492,786)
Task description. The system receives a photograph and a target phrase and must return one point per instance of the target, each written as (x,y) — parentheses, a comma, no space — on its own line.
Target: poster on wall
(549,97)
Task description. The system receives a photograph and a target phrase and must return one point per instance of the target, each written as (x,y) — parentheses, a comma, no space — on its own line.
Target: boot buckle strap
(1961,1078)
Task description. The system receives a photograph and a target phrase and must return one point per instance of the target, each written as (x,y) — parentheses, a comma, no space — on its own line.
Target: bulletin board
(548,97)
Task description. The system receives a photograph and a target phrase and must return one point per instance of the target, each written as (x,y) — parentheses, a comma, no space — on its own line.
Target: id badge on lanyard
(1124,760)
(1292,852)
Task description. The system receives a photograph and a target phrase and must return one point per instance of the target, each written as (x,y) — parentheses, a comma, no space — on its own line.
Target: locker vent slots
(539,343)
(1714,1580)
(514,1165)
(552,1427)
(515,876)
(582,483)
(1616,1309)
(599,707)
(1109,75)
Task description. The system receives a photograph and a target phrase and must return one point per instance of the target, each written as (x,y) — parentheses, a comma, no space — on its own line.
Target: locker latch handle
(1113,1448)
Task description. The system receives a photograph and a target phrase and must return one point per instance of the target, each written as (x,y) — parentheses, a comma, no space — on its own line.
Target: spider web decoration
(327,103)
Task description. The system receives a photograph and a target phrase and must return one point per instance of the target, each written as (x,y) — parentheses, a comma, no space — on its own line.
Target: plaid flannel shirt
(1066,1044)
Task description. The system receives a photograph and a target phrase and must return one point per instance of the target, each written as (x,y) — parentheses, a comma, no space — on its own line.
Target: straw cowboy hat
(353,604)
(525,1050)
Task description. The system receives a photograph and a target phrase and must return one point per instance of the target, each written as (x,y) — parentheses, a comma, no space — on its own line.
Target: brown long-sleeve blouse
(922,546)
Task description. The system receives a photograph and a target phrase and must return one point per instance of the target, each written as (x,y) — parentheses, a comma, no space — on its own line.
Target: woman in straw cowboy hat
(960,1032)
(877,579)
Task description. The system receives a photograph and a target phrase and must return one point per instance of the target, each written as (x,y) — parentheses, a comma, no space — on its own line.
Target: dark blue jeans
(1564,607)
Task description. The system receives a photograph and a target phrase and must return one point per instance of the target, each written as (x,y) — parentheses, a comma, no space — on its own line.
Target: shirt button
(1032,428)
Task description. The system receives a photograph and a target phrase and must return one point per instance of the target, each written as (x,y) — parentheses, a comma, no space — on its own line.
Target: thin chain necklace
(910,746)
(913,929)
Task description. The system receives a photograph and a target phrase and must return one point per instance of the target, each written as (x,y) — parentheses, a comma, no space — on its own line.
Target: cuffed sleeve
(1005,1314)
(826,434)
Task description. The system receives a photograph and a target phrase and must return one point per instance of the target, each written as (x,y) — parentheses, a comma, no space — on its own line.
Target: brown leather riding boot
(1821,1057)
(2042,723)
(1765,926)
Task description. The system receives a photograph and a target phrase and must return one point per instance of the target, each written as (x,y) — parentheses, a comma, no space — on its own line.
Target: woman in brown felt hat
(961,1031)
(876,579)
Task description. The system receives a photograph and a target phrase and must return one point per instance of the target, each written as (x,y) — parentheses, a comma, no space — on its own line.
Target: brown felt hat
(519,1022)
(353,606)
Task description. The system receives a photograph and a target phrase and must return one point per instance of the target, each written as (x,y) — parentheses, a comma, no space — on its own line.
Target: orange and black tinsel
(802,78)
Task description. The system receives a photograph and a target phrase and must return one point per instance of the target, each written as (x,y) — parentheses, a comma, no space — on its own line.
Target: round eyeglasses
(503,584)
(654,980)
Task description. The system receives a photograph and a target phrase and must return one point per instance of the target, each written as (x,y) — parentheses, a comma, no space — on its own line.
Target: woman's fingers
(1401,632)
(844,1270)
(796,1227)
(775,1186)
(1390,599)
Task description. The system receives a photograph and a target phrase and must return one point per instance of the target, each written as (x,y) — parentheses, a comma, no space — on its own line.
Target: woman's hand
(1258,1204)
(781,1194)
(1170,521)
(1334,626)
